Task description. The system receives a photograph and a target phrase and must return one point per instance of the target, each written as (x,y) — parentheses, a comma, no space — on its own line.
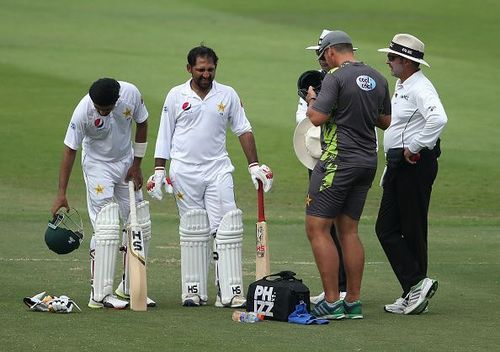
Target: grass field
(50,52)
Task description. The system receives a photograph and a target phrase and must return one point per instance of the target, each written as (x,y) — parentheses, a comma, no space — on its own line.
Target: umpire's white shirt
(418,117)
(106,138)
(193,130)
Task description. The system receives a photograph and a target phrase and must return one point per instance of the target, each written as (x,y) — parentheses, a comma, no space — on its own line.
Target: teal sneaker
(323,311)
(353,310)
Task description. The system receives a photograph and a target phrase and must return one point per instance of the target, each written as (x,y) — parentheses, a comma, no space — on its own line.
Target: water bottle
(247,317)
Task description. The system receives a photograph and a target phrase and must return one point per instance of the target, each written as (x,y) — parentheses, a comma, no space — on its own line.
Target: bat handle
(133,211)
(260,202)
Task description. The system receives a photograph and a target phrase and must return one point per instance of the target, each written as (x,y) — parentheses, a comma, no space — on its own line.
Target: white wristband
(140,149)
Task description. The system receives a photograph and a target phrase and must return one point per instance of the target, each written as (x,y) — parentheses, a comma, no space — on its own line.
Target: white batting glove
(155,182)
(62,304)
(261,173)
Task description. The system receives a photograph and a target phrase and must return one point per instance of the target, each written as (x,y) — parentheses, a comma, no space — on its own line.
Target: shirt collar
(187,90)
(415,77)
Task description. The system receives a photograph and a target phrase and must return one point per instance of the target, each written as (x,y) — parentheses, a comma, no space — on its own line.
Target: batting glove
(155,182)
(261,173)
(62,304)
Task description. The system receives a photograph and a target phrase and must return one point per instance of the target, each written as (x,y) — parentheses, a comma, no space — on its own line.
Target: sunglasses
(392,57)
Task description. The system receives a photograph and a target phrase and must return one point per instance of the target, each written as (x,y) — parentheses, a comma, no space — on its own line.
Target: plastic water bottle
(247,317)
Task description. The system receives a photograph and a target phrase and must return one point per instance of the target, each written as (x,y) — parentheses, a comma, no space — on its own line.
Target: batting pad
(104,246)
(144,221)
(228,244)
(194,232)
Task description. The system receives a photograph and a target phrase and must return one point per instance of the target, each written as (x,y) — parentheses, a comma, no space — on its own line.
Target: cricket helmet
(65,232)
(309,78)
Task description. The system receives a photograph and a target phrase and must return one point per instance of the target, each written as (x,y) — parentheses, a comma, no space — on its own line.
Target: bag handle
(282,275)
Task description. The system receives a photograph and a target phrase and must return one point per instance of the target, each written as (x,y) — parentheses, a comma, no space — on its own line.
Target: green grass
(50,52)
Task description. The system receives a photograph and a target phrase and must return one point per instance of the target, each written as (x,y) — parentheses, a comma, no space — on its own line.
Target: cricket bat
(136,259)
(262,263)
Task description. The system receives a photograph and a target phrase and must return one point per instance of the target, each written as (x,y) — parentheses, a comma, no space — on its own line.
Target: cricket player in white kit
(102,125)
(192,135)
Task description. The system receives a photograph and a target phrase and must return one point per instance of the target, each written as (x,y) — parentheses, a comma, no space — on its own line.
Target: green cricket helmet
(65,232)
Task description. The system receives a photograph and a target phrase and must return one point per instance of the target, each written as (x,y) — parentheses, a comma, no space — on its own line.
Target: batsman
(102,125)
(192,135)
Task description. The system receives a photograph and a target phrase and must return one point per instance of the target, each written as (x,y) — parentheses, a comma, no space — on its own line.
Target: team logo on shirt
(127,113)
(99,123)
(99,189)
(220,108)
(366,82)
(186,106)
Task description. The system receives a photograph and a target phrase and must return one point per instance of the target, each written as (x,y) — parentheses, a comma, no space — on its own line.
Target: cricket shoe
(353,310)
(121,293)
(236,302)
(321,296)
(398,307)
(193,301)
(419,296)
(109,301)
(323,310)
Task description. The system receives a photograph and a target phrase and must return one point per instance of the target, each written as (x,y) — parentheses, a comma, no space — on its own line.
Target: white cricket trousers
(206,186)
(105,182)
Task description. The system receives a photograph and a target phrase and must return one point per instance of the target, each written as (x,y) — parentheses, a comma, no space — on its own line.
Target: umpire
(411,144)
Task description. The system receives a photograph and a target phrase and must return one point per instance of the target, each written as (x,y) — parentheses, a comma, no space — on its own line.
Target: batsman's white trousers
(207,186)
(105,182)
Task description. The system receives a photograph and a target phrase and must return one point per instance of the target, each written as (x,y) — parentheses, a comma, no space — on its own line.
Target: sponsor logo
(264,297)
(137,241)
(186,106)
(236,290)
(366,83)
(99,123)
(193,289)
(165,109)
(405,97)
(72,125)
(432,108)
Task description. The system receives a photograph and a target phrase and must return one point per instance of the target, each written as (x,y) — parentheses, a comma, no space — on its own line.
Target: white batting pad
(103,251)
(194,232)
(228,243)
(144,221)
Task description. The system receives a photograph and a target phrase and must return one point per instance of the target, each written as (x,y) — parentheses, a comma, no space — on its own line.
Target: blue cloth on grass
(301,316)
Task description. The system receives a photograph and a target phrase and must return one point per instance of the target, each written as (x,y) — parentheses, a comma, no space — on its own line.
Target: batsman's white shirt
(192,134)
(106,138)
(107,147)
(418,116)
(193,130)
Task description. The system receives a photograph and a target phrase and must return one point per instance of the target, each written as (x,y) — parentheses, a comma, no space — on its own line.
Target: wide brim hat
(407,46)
(307,143)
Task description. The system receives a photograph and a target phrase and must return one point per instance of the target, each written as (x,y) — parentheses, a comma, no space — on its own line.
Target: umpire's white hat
(407,46)
(307,144)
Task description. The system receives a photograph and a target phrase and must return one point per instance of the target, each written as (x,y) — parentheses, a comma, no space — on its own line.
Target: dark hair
(201,51)
(104,91)
(343,48)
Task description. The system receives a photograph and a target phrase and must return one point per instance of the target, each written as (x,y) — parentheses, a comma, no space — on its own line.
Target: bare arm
(134,172)
(247,142)
(317,118)
(383,122)
(67,162)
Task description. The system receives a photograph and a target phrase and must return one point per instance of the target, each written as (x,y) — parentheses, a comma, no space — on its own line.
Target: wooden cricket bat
(262,263)
(136,259)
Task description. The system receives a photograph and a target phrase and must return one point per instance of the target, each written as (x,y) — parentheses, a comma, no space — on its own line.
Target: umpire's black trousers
(402,219)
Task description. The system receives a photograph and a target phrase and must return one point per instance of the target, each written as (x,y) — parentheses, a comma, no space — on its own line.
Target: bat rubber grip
(260,203)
